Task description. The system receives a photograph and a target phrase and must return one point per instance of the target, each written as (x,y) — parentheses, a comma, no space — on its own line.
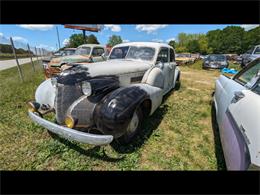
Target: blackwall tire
(132,132)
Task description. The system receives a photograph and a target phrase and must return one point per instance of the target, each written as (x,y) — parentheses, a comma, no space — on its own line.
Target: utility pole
(58,36)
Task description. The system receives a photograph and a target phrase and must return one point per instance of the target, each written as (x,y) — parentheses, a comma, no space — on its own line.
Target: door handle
(238,95)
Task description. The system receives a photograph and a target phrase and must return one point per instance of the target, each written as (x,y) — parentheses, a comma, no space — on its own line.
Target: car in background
(65,52)
(250,55)
(88,53)
(184,58)
(215,61)
(236,114)
(97,103)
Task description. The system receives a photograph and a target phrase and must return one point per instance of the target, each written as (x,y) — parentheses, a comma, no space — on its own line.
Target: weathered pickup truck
(84,53)
(97,103)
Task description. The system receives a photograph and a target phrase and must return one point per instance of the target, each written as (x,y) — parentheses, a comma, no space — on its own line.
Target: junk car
(97,103)
(215,61)
(184,58)
(252,54)
(84,53)
(236,114)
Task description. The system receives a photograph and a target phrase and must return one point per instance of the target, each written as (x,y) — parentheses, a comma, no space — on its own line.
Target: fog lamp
(69,121)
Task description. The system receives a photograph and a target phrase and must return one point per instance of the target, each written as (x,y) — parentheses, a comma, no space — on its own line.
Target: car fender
(154,77)
(45,93)
(114,112)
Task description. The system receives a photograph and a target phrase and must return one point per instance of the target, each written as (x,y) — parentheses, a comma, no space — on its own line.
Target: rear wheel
(133,128)
(178,83)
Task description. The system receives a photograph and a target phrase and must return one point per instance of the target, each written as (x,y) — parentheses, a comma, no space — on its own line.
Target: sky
(45,36)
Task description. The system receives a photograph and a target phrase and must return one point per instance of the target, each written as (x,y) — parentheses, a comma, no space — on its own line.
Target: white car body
(150,76)
(237,109)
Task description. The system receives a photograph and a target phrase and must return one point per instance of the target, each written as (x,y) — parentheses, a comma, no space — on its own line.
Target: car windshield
(216,58)
(141,53)
(69,52)
(119,52)
(83,51)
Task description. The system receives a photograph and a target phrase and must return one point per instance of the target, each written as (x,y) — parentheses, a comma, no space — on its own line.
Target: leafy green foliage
(232,39)
(114,40)
(76,40)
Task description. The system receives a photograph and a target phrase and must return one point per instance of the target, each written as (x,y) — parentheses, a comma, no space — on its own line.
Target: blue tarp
(229,71)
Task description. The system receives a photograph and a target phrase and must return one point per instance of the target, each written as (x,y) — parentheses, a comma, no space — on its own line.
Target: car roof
(149,44)
(91,45)
(70,48)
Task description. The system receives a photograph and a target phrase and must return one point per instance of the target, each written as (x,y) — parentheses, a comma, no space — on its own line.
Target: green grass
(178,136)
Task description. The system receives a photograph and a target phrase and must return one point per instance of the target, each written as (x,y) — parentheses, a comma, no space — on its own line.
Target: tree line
(5,48)
(232,39)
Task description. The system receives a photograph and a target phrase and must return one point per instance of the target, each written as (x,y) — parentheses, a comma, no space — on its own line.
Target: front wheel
(177,83)
(133,128)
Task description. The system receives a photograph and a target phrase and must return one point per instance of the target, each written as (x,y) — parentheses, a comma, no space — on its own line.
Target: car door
(163,59)
(240,129)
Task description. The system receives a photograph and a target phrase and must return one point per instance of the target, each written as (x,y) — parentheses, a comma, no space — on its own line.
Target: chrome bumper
(72,134)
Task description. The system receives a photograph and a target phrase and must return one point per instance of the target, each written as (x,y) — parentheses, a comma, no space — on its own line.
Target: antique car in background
(65,52)
(215,61)
(236,114)
(250,55)
(184,58)
(97,103)
(84,53)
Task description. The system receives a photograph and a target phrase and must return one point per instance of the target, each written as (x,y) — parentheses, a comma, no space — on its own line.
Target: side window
(163,55)
(172,56)
(256,89)
(246,76)
(257,50)
(97,51)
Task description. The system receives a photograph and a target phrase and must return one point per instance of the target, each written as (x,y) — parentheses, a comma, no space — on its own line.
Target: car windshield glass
(69,52)
(216,58)
(142,53)
(249,74)
(83,51)
(119,52)
(257,50)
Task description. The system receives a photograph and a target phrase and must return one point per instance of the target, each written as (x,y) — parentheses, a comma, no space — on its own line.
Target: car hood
(116,67)
(69,59)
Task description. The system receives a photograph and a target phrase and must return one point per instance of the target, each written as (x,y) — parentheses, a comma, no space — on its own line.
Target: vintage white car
(236,111)
(109,98)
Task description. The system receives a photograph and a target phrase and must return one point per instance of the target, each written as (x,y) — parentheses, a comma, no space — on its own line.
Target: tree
(92,39)
(193,46)
(76,40)
(172,43)
(114,40)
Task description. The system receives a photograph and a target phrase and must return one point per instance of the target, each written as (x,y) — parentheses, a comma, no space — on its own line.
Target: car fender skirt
(113,114)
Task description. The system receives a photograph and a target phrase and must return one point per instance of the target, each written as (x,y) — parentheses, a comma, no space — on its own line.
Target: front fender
(113,114)
(45,93)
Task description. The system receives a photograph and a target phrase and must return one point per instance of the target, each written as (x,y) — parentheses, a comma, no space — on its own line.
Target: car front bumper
(71,134)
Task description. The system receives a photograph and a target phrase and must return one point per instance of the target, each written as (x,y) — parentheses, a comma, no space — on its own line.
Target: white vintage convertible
(97,103)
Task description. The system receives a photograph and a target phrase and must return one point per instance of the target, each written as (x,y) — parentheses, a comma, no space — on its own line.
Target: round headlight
(86,88)
(54,81)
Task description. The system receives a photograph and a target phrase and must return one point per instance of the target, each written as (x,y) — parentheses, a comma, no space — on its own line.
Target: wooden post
(36,55)
(17,62)
(31,58)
